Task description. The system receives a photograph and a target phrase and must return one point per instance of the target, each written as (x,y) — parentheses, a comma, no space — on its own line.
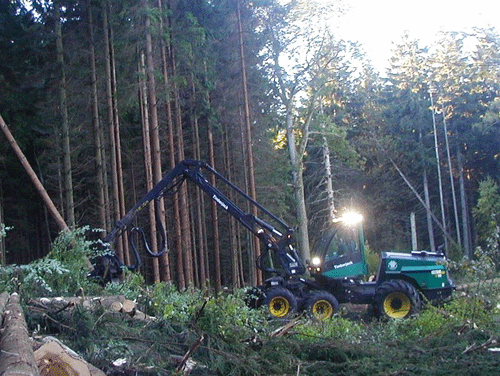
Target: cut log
(16,356)
(54,358)
(115,303)
(128,306)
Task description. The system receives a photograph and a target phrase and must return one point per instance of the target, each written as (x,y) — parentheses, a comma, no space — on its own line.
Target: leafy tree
(487,215)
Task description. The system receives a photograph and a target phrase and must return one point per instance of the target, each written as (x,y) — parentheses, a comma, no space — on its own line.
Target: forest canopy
(105,97)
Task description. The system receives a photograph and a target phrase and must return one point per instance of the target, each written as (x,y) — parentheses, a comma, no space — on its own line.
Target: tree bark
(111,127)
(96,125)
(298,185)
(17,357)
(154,125)
(214,216)
(452,182)
(148,166)
(248,135)
(465,213)
(165,261)
(116,121)
(183,192)
(38,185)
(66,148)
(438,164)
(329,181)
(430,227)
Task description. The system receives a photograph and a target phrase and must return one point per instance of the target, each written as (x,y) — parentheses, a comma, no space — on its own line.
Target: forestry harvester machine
(337,270)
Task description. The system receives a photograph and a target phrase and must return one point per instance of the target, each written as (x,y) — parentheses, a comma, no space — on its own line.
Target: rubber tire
(397,299)
(321,305)
(280,302)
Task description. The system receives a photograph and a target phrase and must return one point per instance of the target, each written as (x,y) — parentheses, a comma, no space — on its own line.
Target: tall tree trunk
(155,134)
(183,191)
(438,164)
(233,229)
(452,183)
(248,135)
(298,185)
(114,133)
(148,166)
(165,262)
(96,126)
(200,200)
(66,149)
(116,122)
(111,127)
(465,213)
(214,216)
(427,203)
(167,61)
(430,227)
(329,181)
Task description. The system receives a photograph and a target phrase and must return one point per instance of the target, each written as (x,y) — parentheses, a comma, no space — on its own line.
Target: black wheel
(280,302)
(397,299)
(322,305)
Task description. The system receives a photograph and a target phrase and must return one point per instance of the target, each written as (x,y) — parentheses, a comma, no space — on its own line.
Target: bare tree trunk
(148,166)
(233,238)
(430,227)
(214,215)
(96,126)
(111,127)
(438,164)
(427,203)
(200,233)
(38,185)
(452,183)
(298,186)
(155,134)
(465,214)
(328,177)
(67,175)
(116,122)
(170,140)
(183,192)
(248,135)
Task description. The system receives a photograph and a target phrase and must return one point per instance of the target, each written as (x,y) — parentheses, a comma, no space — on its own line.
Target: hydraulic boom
(278,243)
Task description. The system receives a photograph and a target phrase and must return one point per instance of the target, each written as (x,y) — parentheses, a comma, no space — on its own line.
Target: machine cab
(339,253)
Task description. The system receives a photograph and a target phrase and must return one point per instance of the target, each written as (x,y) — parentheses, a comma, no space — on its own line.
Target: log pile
(20,355)
(115,303)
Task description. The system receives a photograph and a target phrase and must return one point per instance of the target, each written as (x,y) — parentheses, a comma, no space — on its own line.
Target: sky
(377,24)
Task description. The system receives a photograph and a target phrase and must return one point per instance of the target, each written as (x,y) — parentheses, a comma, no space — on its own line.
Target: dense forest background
(104,97)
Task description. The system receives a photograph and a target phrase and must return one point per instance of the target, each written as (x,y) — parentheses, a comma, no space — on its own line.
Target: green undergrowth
(225,337)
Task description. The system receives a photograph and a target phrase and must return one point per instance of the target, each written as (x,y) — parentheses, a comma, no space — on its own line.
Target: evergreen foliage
(236,340)
(337,101)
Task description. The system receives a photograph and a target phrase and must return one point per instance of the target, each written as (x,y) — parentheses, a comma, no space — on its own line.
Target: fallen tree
(16,355)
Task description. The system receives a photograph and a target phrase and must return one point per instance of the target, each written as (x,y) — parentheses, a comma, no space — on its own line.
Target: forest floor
(197,332)
(219,340)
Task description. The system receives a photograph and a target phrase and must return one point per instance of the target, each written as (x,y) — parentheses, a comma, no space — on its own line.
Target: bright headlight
(316,261)
(350,218)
